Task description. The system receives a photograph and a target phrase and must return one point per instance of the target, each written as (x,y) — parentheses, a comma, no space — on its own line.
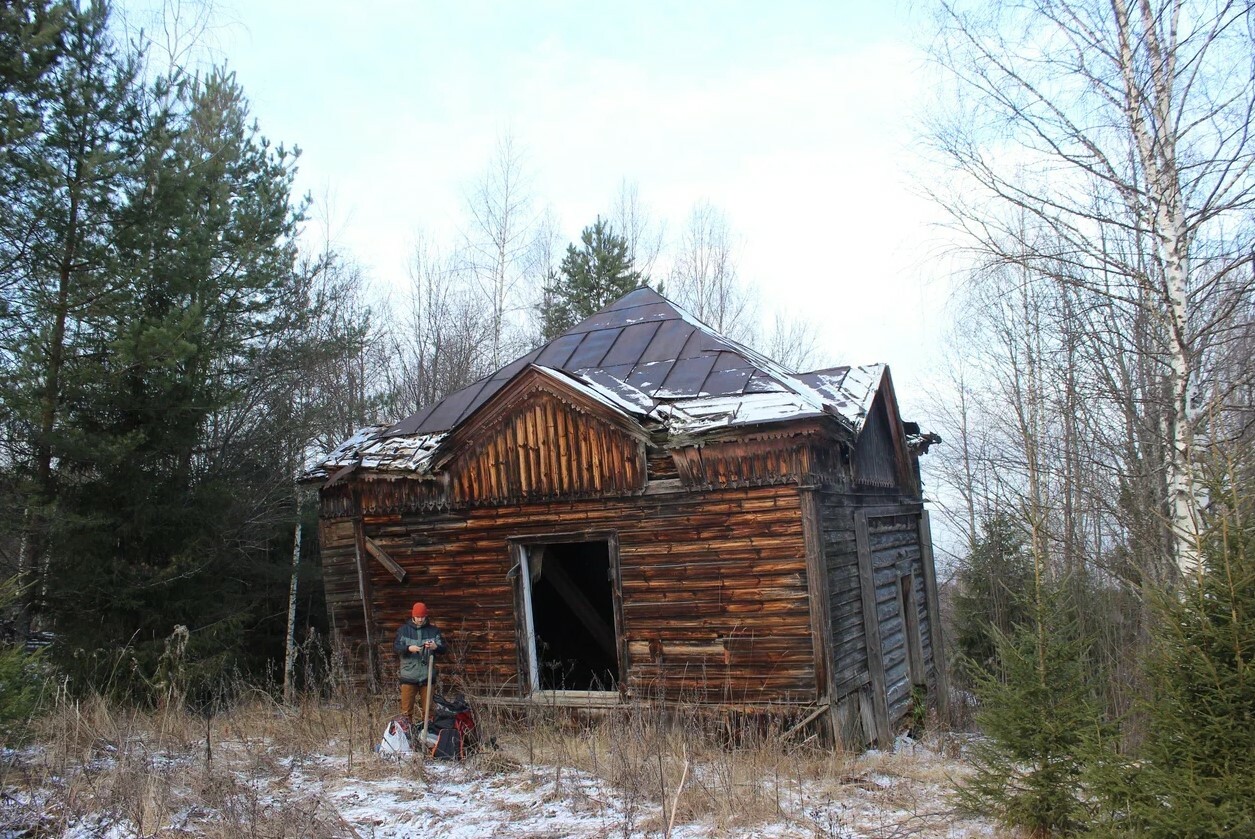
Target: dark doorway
(573,616)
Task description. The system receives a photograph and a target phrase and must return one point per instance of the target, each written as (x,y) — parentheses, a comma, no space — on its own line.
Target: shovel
(431,671)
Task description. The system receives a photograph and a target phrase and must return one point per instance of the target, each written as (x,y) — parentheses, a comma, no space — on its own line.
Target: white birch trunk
(1156,147)
(289,659)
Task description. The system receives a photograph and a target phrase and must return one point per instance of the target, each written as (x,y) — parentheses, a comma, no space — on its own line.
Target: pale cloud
(799,124)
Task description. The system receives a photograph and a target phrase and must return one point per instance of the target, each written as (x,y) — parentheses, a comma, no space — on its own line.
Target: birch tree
(1123,129)
(499,242)
(632,219)
(704,275)
(443,335)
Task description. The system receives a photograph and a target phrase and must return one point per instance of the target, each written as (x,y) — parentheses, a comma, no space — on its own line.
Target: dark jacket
(414,665)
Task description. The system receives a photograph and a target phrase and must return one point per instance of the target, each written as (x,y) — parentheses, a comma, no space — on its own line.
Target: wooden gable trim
(530,380)
(906,475)
(542,438)
(796,452)
(887,396)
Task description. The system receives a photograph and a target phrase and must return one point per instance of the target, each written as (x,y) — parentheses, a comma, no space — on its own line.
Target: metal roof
(642,355)
(649,351)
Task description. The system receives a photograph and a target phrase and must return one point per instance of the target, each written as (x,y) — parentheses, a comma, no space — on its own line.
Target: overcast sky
(799,120)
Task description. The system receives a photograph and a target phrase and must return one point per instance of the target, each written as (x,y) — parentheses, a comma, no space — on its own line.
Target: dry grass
(172,773)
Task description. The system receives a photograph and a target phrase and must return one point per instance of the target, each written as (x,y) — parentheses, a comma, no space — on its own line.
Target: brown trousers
(410,693)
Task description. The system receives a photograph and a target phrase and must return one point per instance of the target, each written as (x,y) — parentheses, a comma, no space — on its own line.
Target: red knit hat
(419,610)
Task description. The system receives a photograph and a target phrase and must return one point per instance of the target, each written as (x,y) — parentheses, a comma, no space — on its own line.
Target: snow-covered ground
(242,790)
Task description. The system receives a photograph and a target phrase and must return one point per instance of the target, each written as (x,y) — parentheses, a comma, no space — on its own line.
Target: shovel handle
(431,671)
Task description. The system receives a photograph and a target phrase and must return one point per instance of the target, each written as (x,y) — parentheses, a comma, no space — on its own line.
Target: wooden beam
(871,630)
(386,561)
(938,648)
(820,607)
(585,611)
(616,594)
(363,588)
(807,720)
(910,615)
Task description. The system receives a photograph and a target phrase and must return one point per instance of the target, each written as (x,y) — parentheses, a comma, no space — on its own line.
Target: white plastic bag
(396,738)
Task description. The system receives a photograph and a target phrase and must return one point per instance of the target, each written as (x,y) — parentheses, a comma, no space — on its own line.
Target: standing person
(417,642)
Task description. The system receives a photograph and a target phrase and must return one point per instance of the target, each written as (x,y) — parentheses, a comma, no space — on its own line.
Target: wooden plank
(871,631)
(616,595)
(372,548)
(524,645)
(824,708)
(934,614)
(915,649)
(820,607)
(364,592)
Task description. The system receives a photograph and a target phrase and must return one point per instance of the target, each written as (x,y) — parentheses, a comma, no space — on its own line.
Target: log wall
(714,589)
(342,585)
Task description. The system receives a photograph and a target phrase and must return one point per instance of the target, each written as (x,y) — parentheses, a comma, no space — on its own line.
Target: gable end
(539,445)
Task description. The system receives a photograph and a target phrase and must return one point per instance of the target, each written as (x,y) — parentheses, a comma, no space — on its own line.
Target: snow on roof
(370,448)
(698,416)
(605,389)
(849,390)
(648,358)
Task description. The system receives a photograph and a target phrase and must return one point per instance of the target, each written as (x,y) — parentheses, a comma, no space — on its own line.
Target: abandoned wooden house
(644,510)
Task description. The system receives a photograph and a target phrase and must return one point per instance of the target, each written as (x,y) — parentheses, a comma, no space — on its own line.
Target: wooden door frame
(524,632)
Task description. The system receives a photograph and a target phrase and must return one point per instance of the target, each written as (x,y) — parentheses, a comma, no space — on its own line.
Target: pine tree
(589,277)
(990,598)
(177,481)
(1039,718)
(1195,771)
(30,46)
(58,226)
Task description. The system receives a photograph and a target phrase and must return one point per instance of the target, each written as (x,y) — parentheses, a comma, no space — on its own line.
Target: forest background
(176,338)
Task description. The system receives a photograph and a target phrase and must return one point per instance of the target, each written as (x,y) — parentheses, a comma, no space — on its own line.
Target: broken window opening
(572,616)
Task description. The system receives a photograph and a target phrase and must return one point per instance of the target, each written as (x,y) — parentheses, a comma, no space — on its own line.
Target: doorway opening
(569,599)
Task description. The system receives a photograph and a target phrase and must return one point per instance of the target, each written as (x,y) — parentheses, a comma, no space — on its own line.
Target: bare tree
(543,262)
(1130,125)
(632,220)
(499,245)
(179,36)
(704,276)
(794,342)
(443,338)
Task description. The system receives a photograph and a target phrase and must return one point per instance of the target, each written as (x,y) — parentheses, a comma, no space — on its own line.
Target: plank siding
(716,603)
(844,603)
(337,538)
(875,459)
(519,456)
